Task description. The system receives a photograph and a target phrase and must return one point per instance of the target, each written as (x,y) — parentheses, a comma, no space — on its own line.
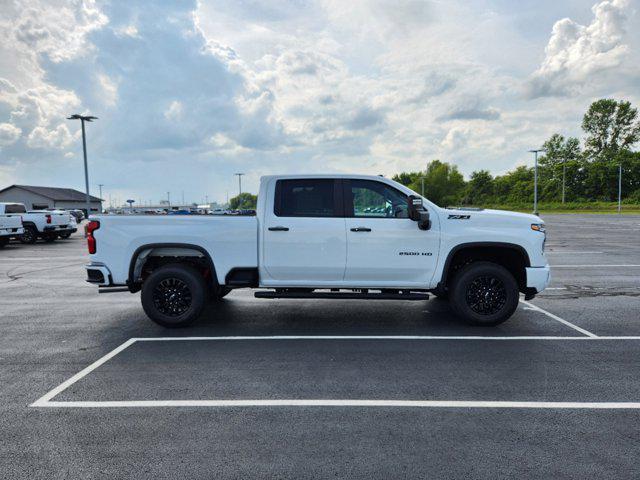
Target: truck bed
(231,240)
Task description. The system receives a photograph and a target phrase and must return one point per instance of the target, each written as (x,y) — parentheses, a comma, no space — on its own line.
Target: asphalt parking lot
(312,388)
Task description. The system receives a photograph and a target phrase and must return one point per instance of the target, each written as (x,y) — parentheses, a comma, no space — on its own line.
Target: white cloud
(219,86)
(576,53)
(108,89)
(9,134)
(174,111)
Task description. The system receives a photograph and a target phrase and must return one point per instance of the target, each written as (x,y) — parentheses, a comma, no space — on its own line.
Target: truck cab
(325,236)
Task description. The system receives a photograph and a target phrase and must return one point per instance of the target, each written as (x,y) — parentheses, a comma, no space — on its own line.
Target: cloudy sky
(188,92)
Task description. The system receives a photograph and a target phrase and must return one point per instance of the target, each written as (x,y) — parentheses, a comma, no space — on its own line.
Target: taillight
(48,218)
(92,226)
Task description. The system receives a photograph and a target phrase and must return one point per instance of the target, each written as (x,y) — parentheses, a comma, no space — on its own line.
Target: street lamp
(84,118)
(535,179)
(239,182)
(620,187)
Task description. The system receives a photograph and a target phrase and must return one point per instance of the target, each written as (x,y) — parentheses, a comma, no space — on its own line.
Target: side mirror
(414,207)
(417,212)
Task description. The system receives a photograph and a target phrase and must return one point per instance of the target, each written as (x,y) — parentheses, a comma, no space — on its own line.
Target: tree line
(589,170)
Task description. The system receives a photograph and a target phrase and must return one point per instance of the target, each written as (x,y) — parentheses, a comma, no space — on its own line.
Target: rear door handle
(278,229)
(361,229)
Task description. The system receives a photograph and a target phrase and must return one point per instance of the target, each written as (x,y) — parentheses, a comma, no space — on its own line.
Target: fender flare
(132,284)
(512,246)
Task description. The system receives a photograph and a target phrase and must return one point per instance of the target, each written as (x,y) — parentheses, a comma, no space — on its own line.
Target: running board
(345,295)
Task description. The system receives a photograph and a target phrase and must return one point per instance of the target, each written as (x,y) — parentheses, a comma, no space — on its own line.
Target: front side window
(306,198)
(376,199)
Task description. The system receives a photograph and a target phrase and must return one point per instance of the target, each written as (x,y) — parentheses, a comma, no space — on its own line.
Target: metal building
(40,198)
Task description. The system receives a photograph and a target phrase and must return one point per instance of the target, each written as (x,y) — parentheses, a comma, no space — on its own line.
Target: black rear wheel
(484,293)
(30,235)
(174,295)
(4,241)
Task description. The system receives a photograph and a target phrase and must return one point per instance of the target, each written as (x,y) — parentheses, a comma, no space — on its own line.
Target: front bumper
(98,275)
(538,278)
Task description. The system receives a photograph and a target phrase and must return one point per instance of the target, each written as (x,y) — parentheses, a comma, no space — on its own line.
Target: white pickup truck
(10,224)
(47,225)
(324,236)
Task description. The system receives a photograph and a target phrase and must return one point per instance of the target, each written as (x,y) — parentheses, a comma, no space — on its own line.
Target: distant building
(40,198)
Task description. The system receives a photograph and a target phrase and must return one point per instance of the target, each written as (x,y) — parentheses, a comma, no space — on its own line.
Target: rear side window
(307,198)
(14,208)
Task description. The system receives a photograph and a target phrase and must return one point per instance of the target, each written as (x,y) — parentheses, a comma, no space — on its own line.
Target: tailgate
(10,221)
(60,219)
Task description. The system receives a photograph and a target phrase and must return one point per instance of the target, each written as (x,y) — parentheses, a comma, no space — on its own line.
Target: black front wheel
(174,295)
(484,293)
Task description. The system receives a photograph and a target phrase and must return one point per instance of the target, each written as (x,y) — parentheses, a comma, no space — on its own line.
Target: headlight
(538,227)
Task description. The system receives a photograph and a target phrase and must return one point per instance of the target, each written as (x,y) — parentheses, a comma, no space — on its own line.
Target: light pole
(100,185)
(535,179)
(564,174)
(239,182)
(169,199)
(84,118)
(422,181)
(620,187)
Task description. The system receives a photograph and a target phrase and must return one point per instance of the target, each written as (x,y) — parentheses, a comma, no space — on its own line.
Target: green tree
(244,201)
(443,183)
(562,158)
(610,126)
(480,188)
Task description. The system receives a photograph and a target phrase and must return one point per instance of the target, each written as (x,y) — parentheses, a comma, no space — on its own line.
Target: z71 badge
(459,217)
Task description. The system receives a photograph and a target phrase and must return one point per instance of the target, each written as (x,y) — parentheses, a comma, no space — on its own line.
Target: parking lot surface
(312,388)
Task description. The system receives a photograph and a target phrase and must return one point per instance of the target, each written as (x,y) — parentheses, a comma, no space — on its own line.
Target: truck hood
(492,216)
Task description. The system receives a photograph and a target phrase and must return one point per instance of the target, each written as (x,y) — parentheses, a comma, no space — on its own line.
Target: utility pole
(535,180)
(239,182)
(84,118)
(620,187)
(422,181)
(100,185)
(169,199)
(182,197)
(564,174)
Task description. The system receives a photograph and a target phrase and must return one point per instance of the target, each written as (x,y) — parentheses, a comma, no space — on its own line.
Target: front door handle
(278,229)
(361,229)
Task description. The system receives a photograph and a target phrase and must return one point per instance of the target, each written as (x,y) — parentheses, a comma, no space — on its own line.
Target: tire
(484,294)
(4,241)
(64,235)
(178,281)
(30,235)
(50,237)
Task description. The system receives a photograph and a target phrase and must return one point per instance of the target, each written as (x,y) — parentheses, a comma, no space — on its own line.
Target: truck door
(304,237)
(384,247)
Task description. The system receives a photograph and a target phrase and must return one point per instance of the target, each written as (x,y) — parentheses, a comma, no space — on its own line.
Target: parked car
(311,233)
(10,223)
(73,227)
(44,224)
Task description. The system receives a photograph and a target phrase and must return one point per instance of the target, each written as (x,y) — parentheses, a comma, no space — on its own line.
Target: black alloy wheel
(29,235)
(486,295)
(172,297)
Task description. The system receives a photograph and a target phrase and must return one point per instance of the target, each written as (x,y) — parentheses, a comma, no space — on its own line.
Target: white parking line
(42,401)
(563,252)
(557,318)
(347,403)
(46,400)
(592,266)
